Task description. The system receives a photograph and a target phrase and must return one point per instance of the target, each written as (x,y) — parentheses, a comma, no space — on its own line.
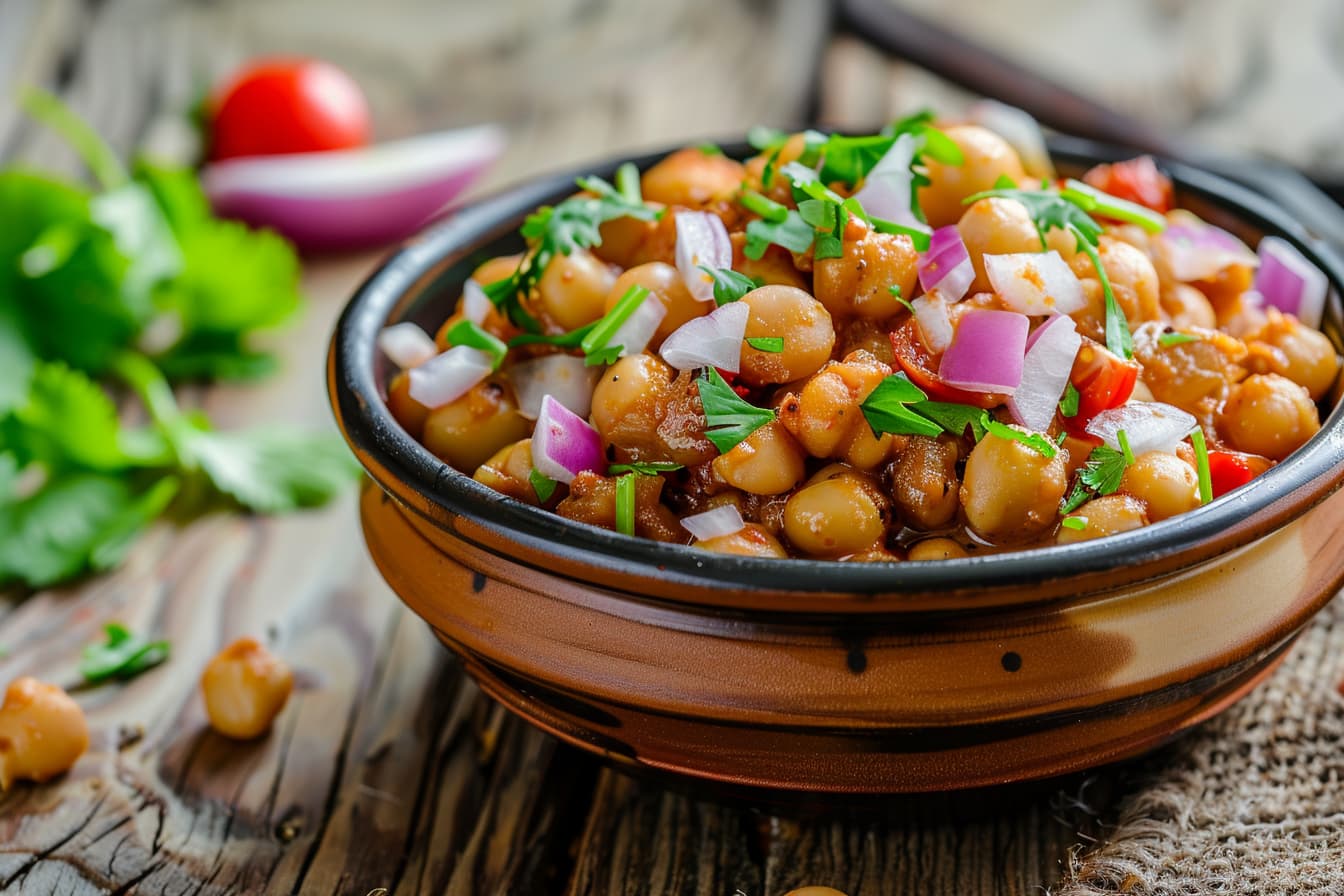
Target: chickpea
(825,417)
(1133,281)
(987,157)
(1166,485)
(936,549)
(1104,516)
(779,190)
(872,336)
(995,226)
(573,289)
(629,242)
(1186,306)
(692,179)
(767,462)
(245,686)
(775,266)
(1010,491)
(466,432)
(804,324)
(924,482)
(624,400)
(410,413)
(1303,355)
(1269,415)
(509,470)
(42,732)
(1189,375)
(751,541)
(858,282)
(665,285)
(834,517)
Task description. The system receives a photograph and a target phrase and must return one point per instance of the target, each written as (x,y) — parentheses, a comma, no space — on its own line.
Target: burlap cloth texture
(1250,803)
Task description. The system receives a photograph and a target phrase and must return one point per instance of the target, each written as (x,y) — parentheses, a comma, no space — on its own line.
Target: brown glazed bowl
(831,677)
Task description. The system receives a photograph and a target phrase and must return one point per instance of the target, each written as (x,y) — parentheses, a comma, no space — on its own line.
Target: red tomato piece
(1137,180)
(1232,469)
(918,363)
(279,106)
(1103,381)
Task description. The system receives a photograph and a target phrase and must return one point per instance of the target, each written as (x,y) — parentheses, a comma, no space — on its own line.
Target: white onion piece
(935,326)
(447,377)
(563,444)
(701,240)
(1148,426)
(1020,129)
(887,191)
(1035,283)
(1289,282)
(1051,349)
(720,521)
(714,340)
(475,303)
(407,345)
(565,378)
(634,333)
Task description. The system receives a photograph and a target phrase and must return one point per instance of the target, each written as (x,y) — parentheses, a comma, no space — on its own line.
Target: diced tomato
(1137,180)
(731,379)
(918,363)
(1232,469)
(1103,381)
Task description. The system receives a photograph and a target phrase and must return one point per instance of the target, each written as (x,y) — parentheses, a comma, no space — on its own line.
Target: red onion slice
(563,444)
(888,190)
(701,240)
(714,340)
(1198,251)
(1148,426)
(447,377)
(986,352)
(947,265)
(935,326)
(565,378)
(720,521)
(475,303)
(1289,282)
(349,198)
(634,333)
(1035,283)
(1022,132)
(1051,349)
(407,345)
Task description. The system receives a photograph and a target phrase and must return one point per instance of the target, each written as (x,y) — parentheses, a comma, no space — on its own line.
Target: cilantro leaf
(1033,440)
(729,285)
(542,484)
(1077,523)
(646,468)
(1090,199)
(793,233)
(729,418)
(772,344)
(1100,475)
(887,409)
(954,418)
(125,655)
(1068,405)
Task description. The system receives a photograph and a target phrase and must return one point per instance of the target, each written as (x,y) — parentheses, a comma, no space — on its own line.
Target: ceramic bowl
(831,677)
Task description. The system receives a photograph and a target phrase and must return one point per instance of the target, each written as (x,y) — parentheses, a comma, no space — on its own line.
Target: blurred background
(577,79)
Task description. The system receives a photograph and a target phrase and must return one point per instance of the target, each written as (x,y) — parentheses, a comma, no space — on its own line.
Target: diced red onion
(407,345)
(475,303)
(1148,426)
(935,326)
(347,198)
(1289,282)
(889,187)
(1051,349)
(987,351)
(565,378)
(947,264)
(447,377)
(563,444)
(714,340)
(723,520)
(1198,251)
(1022,132)
(634,334)
(1035,283)
(701,240)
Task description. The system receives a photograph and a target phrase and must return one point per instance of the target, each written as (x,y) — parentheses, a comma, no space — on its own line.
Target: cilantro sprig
(124,656)
(543,485)
(900,407)
(1099,475)
(729,285)
(729,418)
(1033,440)
(645,468)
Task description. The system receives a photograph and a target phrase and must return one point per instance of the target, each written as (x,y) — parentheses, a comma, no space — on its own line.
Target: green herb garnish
(709,149)
(1068,405)
(729,418)
(648,468)
(1100,475)
(595,344)
(1202,465)
(764,206)
(887,408)
(470,333)
(1166,340)
(729,285)
(124,656)
(1078,523)
(627,183)
(625,504)
(1033,440)
(772,344)
(954,418)
(1090,199)
(1123,438)
(543,485)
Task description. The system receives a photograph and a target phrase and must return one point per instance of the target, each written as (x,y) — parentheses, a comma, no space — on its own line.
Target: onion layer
(701,240)
(1148,426)
(714,340)
(566,378)
(935,326)
(1035,283)
(635,331)
(720,521)
(563,444)
(1051,350)
(1198,251)
(1289,282)
(947,265)
(447,377)
(407,345)
(475,303)
(888,190)
(986,352)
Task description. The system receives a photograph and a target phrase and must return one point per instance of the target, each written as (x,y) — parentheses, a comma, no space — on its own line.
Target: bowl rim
(439,494)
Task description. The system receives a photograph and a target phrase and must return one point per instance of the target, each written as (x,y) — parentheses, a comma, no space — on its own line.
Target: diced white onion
(1051,349)
(887,191)
(1148,426)
(935,326)
(406,345)
(475,303)
(723,520)
(1035,283)
(701,240)
(634,333)
(714,340)
(447,377)
(565,378)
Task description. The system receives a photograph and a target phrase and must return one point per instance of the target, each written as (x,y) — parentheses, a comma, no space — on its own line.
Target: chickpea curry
(913,345)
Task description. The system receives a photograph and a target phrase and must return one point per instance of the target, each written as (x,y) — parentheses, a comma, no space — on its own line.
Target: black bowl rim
(403,467)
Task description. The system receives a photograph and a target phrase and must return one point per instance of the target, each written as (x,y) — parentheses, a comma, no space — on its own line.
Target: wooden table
(389,770)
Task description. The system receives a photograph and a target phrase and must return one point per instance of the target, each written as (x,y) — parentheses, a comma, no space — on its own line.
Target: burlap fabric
(1251,803)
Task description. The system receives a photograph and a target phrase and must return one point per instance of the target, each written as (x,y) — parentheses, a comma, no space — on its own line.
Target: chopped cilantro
(627,183)
(887,408)
(542,484)
(125,655)
(1033,440)
(764,206)
(625,504)
(1090,199)
(954,418)
(1166,340)
(645,468)
(729,418)
(1068,405)
(709,149)
(920,238)
(1078,523)
(729,285)
(1100,475)
(466,332)
(793,233)
(772,344)
(595,345)
(1202,465)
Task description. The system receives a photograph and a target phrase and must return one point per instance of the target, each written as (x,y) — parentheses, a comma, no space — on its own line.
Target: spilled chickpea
(244,687)
(42,732)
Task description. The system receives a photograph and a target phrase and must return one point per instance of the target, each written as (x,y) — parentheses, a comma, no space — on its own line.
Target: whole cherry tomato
(279,106)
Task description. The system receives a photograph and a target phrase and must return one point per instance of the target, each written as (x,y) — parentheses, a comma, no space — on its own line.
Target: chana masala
(911,345)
